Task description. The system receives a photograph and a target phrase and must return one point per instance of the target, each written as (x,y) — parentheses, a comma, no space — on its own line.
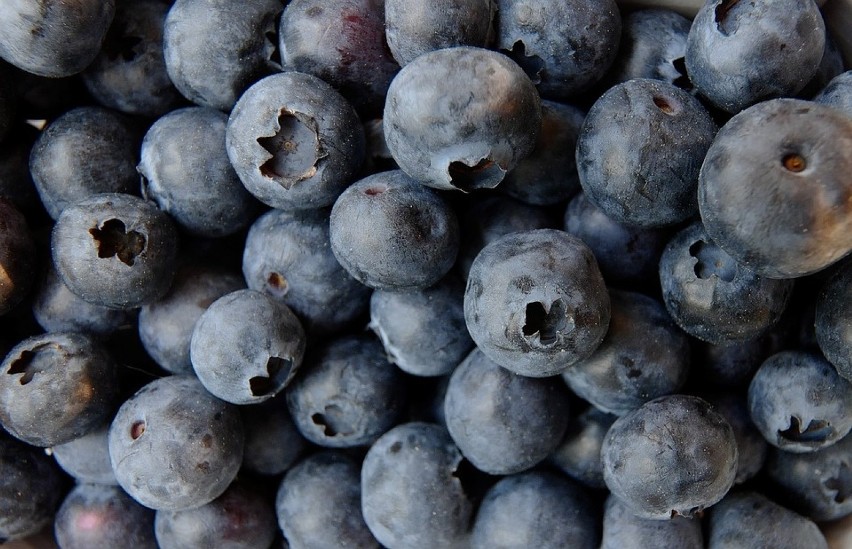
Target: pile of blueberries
(424,274)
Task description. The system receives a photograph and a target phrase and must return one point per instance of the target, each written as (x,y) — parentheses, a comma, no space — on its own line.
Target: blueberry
(548,175)
(115,250)
(838,93)
(750,519)
(412,494)
(786,160)
(17,257)
(460,118)
(53,38)
(536,303)
(514,422)
(621,528)
(288,256)
(639,152)
(818,484)
(628,256)
(213,52)
(643,356)
(272,441)
(174,446)
(86,151)
(186,171)
(415,29)
(348,394)
(653,45)
(246,347)
(56,387)
(751,446)
(86,458)
(535,509)
(391,233)
(94,516)
(834,319)
(319,504)
(165,326)
(294,141)
(423,331)
(31,489)
(579,453)
(564,47)
(799,402)
(129,74)
(58,309)
(657,465)
(490,217)
(241,518)
(739,53)
(343,42)
(712,296)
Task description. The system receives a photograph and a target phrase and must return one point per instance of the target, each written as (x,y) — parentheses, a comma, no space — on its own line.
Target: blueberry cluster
(424,274)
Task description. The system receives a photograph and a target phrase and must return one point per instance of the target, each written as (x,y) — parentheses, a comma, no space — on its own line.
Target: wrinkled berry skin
(129,74)
(643,356)
(94,516)
(246,347)
(815,484)
(56,387)
(175,446)
(53,38)
(799,402)
(413,29)
(17,257)
(789,161)
(241,518)
(343,43)
(294,141)
(535,509)
(86,458)
(115,250)
(411,494)
(536,303)
(564,46)
(750,519)
(460,118)
(348,394)
(187,173)
(740,53)
(213,51)
(288,256)
(714,298)
(513,422)
(621,528)
(639,152)
(165,326)
(86,151)
(319,504)
(655,464)
(833,320)
(31,489)
(391,233)
(423,332)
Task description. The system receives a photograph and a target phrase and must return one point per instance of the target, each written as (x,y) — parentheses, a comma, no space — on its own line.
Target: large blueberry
(294,141)
(536,303)
(511,424)
(739,53)
(639,152)
(246,347)
(175,446)
(656,464)
(389,232)
(460,118)
(774,187)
